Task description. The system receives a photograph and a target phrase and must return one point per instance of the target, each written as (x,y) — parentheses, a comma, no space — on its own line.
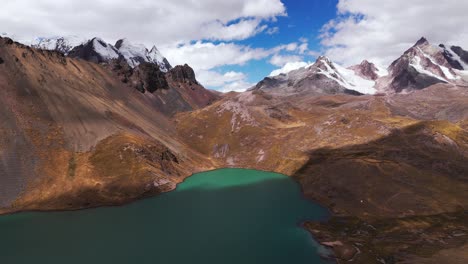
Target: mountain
(419,67)
(136,54)
(95,50)
(60,44)
(73,135)
(322,77)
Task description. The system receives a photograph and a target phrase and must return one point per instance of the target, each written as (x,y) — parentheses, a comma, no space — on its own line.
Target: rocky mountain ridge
(419,67)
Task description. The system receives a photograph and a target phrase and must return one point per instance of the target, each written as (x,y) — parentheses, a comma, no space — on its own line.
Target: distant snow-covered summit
(420,66)
(97,50)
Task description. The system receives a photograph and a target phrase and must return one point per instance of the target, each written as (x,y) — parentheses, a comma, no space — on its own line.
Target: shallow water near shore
(225,216)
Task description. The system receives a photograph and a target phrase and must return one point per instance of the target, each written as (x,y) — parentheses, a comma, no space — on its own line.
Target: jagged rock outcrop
(148,77)
(183,73)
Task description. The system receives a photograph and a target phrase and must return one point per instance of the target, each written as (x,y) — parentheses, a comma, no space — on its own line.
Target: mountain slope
(81,137)
(366,158)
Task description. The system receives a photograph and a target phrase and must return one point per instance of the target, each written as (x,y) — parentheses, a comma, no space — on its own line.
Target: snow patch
(260,156)
(63,44)
(135,54)
(106,51)
(416,64)
(444,69)
(456,57)
(348,79)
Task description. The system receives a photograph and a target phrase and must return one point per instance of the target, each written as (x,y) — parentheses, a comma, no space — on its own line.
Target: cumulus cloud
(208,55)
(205,57)
(216,79)
(290,66)
(280,60)
(382,30)
(239,86)
(159,21)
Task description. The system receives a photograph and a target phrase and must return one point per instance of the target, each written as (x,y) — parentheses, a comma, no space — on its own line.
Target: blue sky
(304,19)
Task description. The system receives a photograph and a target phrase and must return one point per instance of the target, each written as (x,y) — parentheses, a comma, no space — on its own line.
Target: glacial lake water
(227,216)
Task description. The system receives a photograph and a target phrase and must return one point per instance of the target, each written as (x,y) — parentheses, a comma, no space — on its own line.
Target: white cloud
(239,86)
(382,30)
(290,66)
(216,79)
(158,22)
(272,31)
(208,55)
(205,57)
(280,60)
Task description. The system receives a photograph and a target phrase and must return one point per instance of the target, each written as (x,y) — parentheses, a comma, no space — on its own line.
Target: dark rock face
(450,59)
(1,60)
(183,74)
(148,77)
(88,51)
(461,52)
(454,62)
(167,64)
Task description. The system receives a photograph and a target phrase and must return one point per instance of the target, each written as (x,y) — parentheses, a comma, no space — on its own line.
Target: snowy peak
(95,50)
(103,49)
(155,56)
(346,78)
(421,66)
(421,42)
(322,77)
(135,54)
(60,44)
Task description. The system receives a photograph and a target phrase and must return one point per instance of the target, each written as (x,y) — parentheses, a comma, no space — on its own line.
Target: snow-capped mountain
(322,77)
(95,50)
(421,66)
(61,44)
(135,54)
